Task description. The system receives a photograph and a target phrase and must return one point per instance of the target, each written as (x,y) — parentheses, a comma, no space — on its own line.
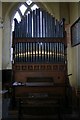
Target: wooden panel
(58,77)
(55,71)
(56,90)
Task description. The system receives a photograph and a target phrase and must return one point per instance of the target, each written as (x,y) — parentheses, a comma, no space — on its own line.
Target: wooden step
(37,117)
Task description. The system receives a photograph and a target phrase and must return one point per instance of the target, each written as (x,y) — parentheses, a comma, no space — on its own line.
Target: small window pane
(28,13)
(28,2)
(11,54)
(17,16)
(34,7)
(23,9)
(13,25)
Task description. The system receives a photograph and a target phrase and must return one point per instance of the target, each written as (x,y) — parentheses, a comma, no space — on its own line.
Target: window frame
(75,34)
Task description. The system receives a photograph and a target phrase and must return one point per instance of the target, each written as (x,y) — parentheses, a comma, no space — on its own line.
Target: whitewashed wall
(75,51)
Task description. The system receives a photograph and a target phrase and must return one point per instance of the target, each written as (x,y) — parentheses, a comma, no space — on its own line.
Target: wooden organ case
(39,56)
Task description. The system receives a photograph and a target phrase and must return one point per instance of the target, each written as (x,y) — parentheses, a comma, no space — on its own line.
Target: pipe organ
(39,55)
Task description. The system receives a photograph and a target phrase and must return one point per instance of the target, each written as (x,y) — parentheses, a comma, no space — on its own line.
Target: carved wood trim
(38,67)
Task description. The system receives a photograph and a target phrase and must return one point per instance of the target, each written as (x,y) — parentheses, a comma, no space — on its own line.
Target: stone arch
(6,48)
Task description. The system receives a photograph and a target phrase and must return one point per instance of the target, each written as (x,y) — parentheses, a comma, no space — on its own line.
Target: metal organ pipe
(39,24)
